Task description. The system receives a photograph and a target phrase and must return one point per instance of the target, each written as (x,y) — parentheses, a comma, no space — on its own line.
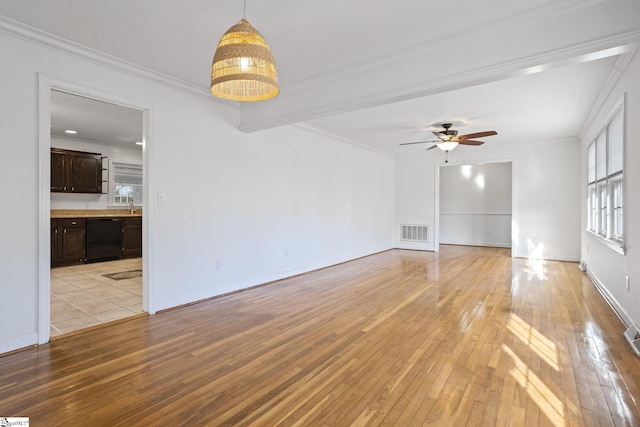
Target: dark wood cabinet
(56,242)
(59,171)
(131,237)
(75,171)
(67,241)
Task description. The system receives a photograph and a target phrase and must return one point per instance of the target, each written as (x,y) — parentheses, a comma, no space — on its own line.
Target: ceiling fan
(448,139)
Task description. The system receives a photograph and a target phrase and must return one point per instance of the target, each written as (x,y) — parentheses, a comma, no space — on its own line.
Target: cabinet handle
(73,222)
(65,231)
(65,188)
(56,231)
(73,188)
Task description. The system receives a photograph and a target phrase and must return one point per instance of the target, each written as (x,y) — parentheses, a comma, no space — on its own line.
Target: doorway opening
(476,204)
(90,133)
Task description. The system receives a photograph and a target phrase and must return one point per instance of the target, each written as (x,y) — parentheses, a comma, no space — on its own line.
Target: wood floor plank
(463,337)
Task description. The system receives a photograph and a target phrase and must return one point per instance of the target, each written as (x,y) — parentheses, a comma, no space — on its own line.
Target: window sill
(123,206)
(610,243)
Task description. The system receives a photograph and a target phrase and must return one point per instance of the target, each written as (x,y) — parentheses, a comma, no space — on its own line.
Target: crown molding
(333,135)
(613,78)
(51,41)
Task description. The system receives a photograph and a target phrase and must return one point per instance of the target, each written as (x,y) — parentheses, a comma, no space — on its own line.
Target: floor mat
(131,274)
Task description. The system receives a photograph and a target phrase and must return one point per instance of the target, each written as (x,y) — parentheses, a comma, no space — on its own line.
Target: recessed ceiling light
(71,131)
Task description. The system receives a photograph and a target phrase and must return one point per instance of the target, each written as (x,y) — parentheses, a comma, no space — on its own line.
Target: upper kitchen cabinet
(75,171)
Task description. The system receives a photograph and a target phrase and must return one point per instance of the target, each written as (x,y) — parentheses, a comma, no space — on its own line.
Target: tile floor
(81,295)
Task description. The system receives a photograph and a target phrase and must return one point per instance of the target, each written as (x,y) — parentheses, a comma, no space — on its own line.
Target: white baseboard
(485,244)
(613,303)
(17,343)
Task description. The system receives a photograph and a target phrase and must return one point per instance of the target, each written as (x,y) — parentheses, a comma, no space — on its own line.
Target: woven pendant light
(243,68)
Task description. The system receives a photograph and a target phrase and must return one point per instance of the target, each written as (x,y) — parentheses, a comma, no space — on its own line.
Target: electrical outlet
(626,282)
(489,233)
(219,265)
(285,252)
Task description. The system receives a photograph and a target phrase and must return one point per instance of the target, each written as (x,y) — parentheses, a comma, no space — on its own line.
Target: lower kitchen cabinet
(67,241)
(56,242)
(132,237)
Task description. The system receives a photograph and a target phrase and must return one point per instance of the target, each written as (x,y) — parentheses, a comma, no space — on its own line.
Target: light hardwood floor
(463,337)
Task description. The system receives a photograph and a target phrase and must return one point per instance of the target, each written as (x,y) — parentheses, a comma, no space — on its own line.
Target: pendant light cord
(244,12)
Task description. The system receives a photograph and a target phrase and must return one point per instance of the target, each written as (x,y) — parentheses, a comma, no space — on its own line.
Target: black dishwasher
(104,239)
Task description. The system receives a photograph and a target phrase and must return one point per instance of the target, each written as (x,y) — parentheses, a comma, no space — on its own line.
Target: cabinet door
(86,173)
(58,171)
(73,243)
(132,237)
(56,242)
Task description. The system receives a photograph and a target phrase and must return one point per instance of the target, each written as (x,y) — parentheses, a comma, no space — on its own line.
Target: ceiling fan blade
(417,142)
(470,142)
(476,135)
(431,148)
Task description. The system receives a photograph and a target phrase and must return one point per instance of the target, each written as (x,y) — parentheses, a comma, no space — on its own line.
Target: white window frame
(592,208)
(616,194)
(605,189)
(603,208)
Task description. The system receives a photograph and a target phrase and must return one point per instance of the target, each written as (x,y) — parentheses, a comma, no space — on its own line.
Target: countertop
(95,213)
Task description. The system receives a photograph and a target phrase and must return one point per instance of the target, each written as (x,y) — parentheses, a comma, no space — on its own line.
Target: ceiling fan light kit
(243,68)
(448,139)
(447,145)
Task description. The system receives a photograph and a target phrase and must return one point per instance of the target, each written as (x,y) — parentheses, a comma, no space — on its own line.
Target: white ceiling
(527,108)
(94,120)
(330,53)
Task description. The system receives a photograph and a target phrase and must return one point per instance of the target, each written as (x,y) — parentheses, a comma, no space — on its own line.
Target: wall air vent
(415,233)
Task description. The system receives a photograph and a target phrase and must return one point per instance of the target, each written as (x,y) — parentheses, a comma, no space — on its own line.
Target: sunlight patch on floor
(541,395)
(537,342)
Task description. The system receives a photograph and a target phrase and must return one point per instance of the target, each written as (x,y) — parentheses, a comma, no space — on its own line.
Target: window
(617,220)
(126,185)
(602,209)
(605,183)
(592,206)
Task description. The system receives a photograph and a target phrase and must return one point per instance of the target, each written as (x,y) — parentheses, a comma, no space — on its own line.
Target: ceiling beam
(524,45)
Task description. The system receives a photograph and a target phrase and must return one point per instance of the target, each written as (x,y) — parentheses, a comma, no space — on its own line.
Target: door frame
(45,85)
(514,221)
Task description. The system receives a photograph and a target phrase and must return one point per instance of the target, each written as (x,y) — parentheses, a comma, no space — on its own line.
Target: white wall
(267,205)
(608,267)
(114,153)
(475,204)
(546,176)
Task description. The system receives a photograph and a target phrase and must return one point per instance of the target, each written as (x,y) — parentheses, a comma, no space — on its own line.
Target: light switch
(162,198)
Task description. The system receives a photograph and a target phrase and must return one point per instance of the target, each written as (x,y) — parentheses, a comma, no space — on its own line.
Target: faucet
(133,208)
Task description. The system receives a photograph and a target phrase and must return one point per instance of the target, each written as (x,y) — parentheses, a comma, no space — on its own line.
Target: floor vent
(633,336)
(415,233)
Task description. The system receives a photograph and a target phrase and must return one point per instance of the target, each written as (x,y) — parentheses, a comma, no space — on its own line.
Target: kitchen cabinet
(132,237)
(75,171)
(59,171)
(56,242)
(67,241)
(85,236)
